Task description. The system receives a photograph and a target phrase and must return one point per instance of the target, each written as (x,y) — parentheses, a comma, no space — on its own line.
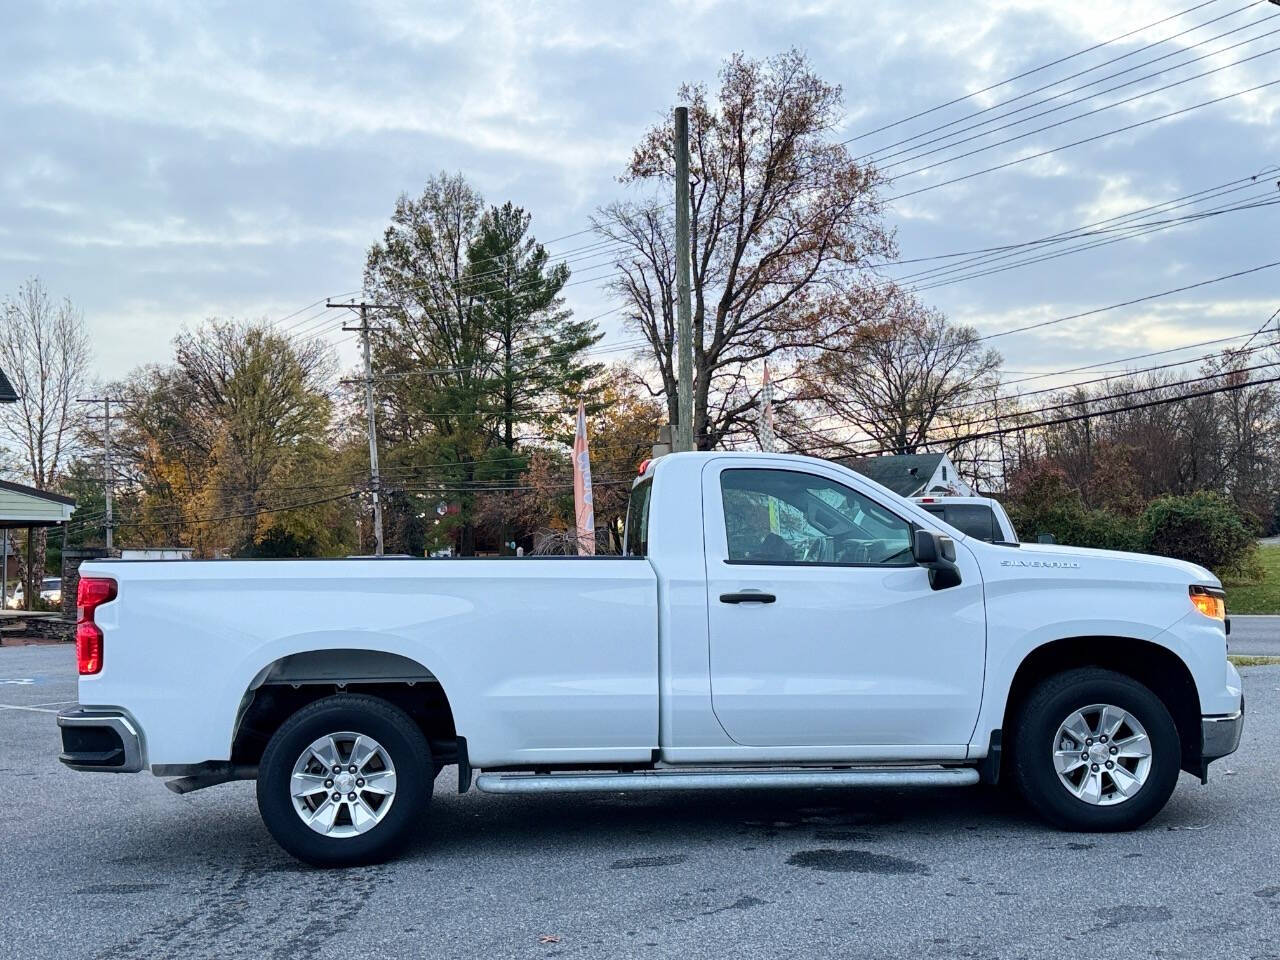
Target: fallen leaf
(548,938)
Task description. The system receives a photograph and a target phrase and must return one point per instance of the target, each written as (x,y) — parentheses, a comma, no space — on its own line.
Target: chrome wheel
(1102,754)
(343,784)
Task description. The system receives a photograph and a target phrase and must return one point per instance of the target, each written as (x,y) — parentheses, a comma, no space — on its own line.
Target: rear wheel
(345,781)
(1095,750)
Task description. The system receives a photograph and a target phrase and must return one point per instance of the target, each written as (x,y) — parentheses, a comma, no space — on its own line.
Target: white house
(912,474)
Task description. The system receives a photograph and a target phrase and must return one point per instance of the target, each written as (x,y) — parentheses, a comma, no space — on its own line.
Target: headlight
(1209,601)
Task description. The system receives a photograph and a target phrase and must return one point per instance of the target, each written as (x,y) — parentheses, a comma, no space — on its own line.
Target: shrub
(1203,527)
(1045,503)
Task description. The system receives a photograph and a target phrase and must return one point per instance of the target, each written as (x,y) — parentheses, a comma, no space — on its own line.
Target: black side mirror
(1045,538)
(937,554)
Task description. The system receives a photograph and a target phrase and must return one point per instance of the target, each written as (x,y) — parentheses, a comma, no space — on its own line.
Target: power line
(1080,401)
(261,511)
(1077,143)
(1057,123)
(879,154)
(1136,230)
(1129,303)
(1027,73)
(954,442)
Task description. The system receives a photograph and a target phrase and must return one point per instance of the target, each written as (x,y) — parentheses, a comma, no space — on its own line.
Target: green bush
(1044,503)
(1202,527)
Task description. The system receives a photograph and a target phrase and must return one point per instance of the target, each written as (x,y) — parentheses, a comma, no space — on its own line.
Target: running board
(739,779)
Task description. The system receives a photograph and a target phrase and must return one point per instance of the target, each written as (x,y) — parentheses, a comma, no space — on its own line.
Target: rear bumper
(105,741)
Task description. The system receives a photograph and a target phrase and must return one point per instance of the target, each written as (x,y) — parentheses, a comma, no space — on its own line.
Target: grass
(1254,661)
(1257,596)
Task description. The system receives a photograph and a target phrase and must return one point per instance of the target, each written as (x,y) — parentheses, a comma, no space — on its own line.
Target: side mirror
(1045,538)
(937,554)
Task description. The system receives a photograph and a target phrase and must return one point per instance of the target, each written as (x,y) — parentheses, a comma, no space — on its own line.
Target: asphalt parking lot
(117,867)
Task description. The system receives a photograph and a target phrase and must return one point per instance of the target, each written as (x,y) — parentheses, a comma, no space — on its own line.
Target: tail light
(92,593)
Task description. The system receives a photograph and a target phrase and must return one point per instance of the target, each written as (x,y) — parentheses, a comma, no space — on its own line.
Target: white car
(776,621)
(980,517)
(50,590)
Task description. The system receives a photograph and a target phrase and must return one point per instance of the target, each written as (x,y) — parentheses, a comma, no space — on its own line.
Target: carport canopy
(23,506)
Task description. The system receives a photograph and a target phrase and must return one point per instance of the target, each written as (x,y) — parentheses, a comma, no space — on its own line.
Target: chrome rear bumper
(100,740)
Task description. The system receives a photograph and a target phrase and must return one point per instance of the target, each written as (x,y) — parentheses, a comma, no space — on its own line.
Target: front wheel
(345,781)
(1095,750)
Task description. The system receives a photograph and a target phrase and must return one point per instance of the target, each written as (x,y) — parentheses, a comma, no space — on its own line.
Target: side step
(738,779)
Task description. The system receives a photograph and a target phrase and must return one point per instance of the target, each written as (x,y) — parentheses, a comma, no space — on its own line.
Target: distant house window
(944,473)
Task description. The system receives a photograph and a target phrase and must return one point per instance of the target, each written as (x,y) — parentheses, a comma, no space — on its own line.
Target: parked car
(775,621)
(50,590)
(980,517)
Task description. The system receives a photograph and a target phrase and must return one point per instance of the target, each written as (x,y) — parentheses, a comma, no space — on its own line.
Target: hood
(1193,573)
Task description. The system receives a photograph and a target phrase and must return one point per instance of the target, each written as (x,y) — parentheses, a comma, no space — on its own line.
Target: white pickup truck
(776,621)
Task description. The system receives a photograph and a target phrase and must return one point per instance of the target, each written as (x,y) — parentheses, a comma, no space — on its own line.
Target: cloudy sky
(165,162)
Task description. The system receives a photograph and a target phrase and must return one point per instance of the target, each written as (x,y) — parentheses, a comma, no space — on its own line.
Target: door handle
(747,596)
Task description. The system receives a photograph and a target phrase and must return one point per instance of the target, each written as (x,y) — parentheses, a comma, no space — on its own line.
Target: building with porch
(29,509)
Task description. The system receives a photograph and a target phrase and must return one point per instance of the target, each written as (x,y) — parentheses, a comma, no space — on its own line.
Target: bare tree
(899,381)
(44,349)
(782,218)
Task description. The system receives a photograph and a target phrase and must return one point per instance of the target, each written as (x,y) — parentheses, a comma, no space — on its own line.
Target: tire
(1123,798)
(346,833)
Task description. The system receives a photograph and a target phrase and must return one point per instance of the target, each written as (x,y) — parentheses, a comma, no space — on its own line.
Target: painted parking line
(10,706)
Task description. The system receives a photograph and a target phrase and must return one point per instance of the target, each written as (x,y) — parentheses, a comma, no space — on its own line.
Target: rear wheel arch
(1154,666)
(290,683)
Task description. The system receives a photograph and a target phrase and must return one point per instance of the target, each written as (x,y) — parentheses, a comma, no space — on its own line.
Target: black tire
(414,776)
(1033,743)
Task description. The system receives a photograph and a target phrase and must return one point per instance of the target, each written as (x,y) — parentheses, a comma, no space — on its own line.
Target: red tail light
(91,594)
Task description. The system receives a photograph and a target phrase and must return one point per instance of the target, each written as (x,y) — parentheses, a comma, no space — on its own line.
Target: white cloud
(167,162)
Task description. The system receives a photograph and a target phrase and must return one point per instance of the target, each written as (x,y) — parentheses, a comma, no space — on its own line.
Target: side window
(637,530)
(785,516)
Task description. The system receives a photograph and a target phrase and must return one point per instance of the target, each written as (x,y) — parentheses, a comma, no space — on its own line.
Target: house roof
(905,474)
(33,492)
(23,506)
(7,393)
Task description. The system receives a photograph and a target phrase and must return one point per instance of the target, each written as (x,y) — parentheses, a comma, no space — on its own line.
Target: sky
(162,163)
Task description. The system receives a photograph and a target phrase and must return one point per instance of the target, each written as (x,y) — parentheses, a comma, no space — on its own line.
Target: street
(1254,636)
(116,867)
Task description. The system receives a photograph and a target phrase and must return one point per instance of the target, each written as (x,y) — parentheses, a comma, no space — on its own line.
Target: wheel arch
(292,681)
(1156,667)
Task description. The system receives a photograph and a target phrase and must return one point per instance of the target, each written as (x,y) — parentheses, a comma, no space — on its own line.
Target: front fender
(1030,611)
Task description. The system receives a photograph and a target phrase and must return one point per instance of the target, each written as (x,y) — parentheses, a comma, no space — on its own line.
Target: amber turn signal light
(1211,603)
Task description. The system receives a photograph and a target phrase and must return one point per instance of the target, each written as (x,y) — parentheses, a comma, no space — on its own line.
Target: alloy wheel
(343,784)
(1102,754)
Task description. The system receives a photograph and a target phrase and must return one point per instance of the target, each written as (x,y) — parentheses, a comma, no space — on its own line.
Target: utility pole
(684,310)
(375,483)
(108,470)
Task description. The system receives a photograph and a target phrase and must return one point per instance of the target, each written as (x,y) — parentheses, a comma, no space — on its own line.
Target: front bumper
(1219,737)
(100,740)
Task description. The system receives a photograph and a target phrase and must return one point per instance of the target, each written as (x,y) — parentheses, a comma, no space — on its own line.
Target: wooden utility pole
(375,482)
(684,439)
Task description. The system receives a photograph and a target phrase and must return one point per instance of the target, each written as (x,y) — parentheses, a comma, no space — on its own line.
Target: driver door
(855,649)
